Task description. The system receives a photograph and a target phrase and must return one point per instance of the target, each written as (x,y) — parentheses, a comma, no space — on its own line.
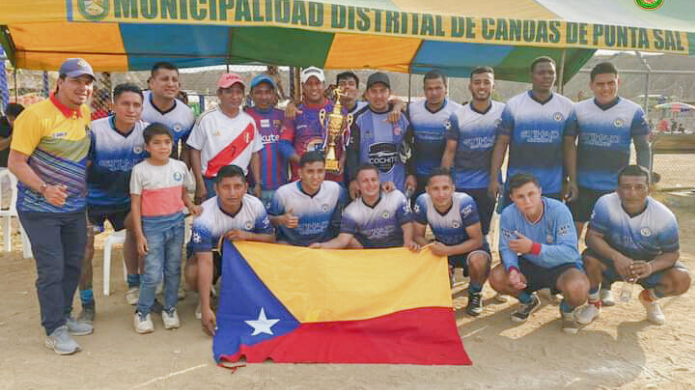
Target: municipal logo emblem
(645,232)
(178,127)
(178,176)
(455,224)
(618,123)
(137,149)
(549,239)
(385,215)
(324,208)
(196,238)
(93,10)
(447,124)
(649,5)
(558,117)
(248,225)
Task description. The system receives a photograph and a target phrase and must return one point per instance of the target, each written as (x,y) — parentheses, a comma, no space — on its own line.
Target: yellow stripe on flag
(318,285)
(354,51)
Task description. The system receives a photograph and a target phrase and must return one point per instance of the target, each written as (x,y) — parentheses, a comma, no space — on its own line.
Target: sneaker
(569,324)
(88,313)
(589,313)
(525,309)
(475,304)
(171,320)
(144,324)
(654,313)
(78,328)
(61,342)
(132,296)
(500,298)
(607,297)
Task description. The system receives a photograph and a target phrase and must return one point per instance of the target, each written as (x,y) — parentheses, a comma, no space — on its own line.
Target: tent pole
(410,81)
(16,90)
(561,84)
(646,86)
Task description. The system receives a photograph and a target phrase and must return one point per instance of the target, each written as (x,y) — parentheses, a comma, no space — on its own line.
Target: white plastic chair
(114,238)
(7,215)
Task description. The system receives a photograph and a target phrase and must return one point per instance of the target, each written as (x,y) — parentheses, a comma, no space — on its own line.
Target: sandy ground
(618,351)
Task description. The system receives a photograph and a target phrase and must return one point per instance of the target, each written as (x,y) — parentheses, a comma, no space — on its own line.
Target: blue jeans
(58,242)
(165,247)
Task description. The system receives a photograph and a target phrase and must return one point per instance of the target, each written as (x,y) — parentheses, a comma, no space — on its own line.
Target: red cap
(229,79)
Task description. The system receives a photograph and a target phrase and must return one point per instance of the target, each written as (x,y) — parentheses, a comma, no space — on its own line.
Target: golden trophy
(336,127)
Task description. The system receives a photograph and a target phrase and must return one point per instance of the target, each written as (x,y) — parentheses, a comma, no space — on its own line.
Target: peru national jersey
(319,215)
(475,133)
(554,231)
(273,163)
(375,140)
(428,131)
(536,132)
(378,226)
(306,134)
(179,119)
(642,237)
(113,155)
(604,135)
(224,141)
(449,228)
(214,222)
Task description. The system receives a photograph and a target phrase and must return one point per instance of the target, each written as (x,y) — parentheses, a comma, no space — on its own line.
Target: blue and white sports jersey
(179,119)
(319,215)
(536,132)
(475,133)
(375,140)
(449,228)
(428,131)
(214,222)
(378,226)
(604,140)
(642,237)
(113,156)
(555,232)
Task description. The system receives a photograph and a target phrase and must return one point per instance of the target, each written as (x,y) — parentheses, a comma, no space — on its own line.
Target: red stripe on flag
(232,151)
(417,336)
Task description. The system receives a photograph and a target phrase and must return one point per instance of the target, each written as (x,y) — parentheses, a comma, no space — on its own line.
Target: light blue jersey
(113,156)
(641,237)
(378,226)
(555,232)
(536,132)
(475,133)
(214,222)
(605,133)
(428,130)
(448,228)
(319,215)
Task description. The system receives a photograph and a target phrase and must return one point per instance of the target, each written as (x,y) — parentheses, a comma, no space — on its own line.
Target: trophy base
(332,166)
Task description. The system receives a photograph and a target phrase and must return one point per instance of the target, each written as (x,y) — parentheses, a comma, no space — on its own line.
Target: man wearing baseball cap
(304,133)
(222,136)
(269,124)
(48,155)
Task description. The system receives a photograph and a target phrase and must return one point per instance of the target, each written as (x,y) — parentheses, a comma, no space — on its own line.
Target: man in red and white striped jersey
(222,136)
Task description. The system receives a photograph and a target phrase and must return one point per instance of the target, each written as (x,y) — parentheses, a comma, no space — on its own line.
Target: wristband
(536,249)
(43,188)
(650,268)
(514,268)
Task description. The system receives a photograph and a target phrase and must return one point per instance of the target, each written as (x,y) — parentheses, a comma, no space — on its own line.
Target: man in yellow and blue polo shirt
(49,155)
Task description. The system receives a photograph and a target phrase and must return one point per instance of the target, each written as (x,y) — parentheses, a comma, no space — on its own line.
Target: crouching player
(538,246)
(634,238)
(455,223)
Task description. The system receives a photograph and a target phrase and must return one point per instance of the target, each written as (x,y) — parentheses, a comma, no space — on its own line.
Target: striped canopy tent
(393,35)
(675,107)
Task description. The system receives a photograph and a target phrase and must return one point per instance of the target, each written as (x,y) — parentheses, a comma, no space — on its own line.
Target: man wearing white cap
(49,155)
(222,136)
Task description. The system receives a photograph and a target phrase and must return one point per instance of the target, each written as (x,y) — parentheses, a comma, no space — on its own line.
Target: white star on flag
(262,324)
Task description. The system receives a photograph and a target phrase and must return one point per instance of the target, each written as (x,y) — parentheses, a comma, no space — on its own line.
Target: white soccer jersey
(449,228)
(378,226)
(224,141)
(179,119)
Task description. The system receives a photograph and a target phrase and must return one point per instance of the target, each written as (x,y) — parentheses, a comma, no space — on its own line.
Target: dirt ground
(619,351)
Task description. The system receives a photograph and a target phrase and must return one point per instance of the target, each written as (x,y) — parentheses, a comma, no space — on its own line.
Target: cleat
(526,309)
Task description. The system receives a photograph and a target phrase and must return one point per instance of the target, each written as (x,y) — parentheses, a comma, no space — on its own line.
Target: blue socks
(524,298)
(133,280)
(87,297)
(474,288)
(565,308)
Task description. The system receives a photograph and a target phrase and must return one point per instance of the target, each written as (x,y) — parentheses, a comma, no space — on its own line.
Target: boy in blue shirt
(538,246)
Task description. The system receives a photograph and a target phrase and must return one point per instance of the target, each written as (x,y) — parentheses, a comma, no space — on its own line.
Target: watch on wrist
(43,187)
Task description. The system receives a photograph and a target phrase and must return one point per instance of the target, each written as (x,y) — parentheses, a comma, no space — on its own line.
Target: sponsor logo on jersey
(383,155)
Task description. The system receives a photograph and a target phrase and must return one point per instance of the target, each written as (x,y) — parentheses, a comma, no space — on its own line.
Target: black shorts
(583,206)
(538,277)
(116,215)
(485,205)
(216,261)
(610,274)
(462,260)
(506,200)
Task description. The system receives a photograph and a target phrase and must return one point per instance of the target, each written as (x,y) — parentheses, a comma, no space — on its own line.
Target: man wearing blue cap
(269,123)
(48,155)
